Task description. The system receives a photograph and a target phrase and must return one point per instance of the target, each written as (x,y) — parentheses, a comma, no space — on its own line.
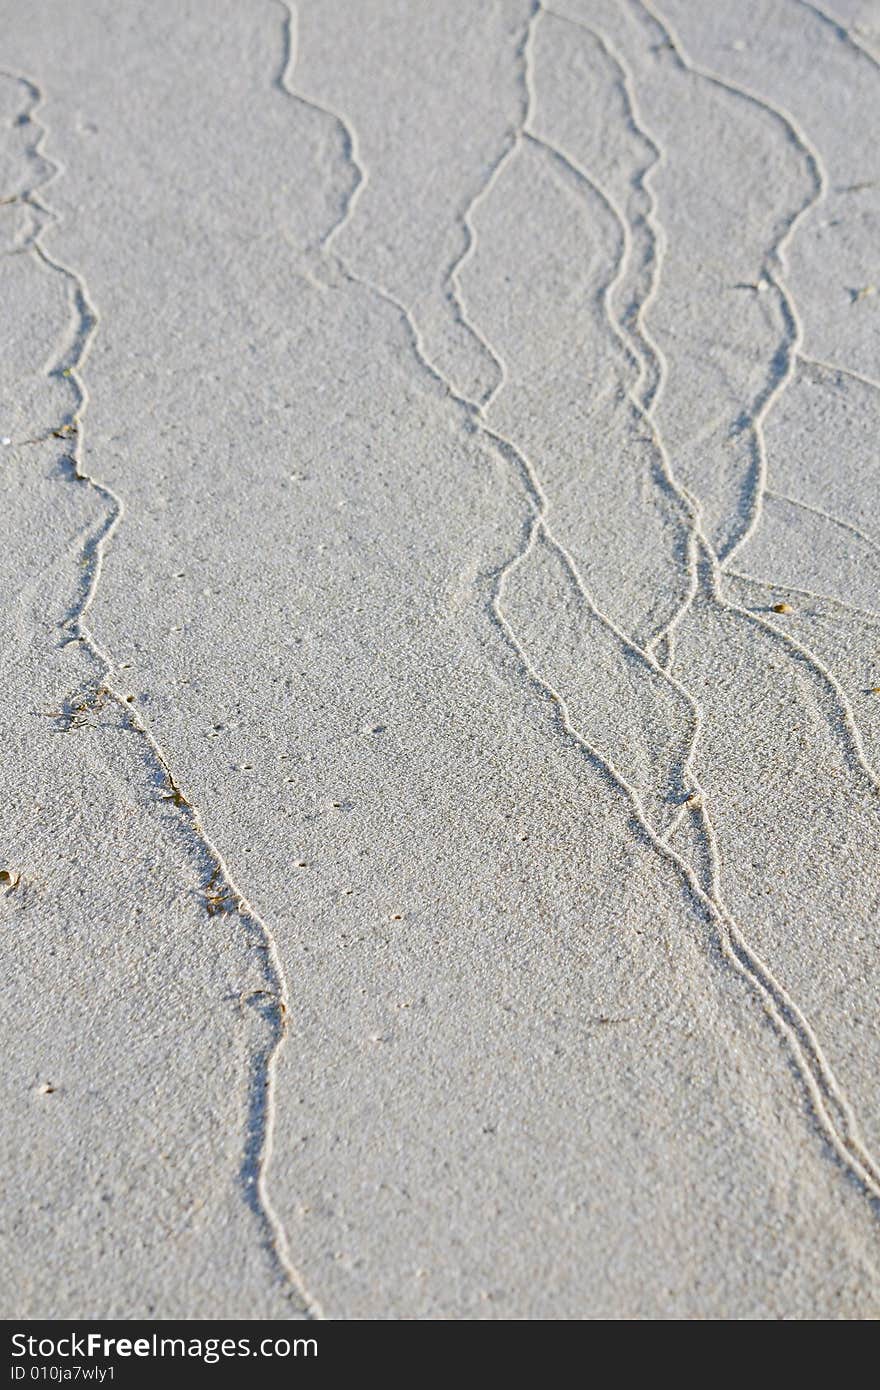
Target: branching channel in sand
(832,1110)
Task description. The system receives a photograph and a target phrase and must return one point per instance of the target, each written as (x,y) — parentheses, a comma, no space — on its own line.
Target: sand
(440,800)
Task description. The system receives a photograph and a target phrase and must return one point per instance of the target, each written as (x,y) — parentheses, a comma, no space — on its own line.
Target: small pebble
(782,608)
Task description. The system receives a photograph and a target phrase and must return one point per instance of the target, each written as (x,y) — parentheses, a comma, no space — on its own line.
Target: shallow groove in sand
(828,1101)
(219,890)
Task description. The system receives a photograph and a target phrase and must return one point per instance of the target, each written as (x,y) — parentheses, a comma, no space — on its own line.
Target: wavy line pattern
(825,516)
(773,273)
(845,1134)
(829,1103)
(537,528)
(669,805)
(846,35)
(219,890)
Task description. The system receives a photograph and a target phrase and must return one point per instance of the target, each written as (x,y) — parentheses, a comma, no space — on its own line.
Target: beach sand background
(440,810)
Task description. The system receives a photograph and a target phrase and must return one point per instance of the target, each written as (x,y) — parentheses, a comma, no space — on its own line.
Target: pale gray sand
(457,388)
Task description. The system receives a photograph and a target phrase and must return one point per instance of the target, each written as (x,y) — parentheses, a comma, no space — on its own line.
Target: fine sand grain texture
(441,714)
